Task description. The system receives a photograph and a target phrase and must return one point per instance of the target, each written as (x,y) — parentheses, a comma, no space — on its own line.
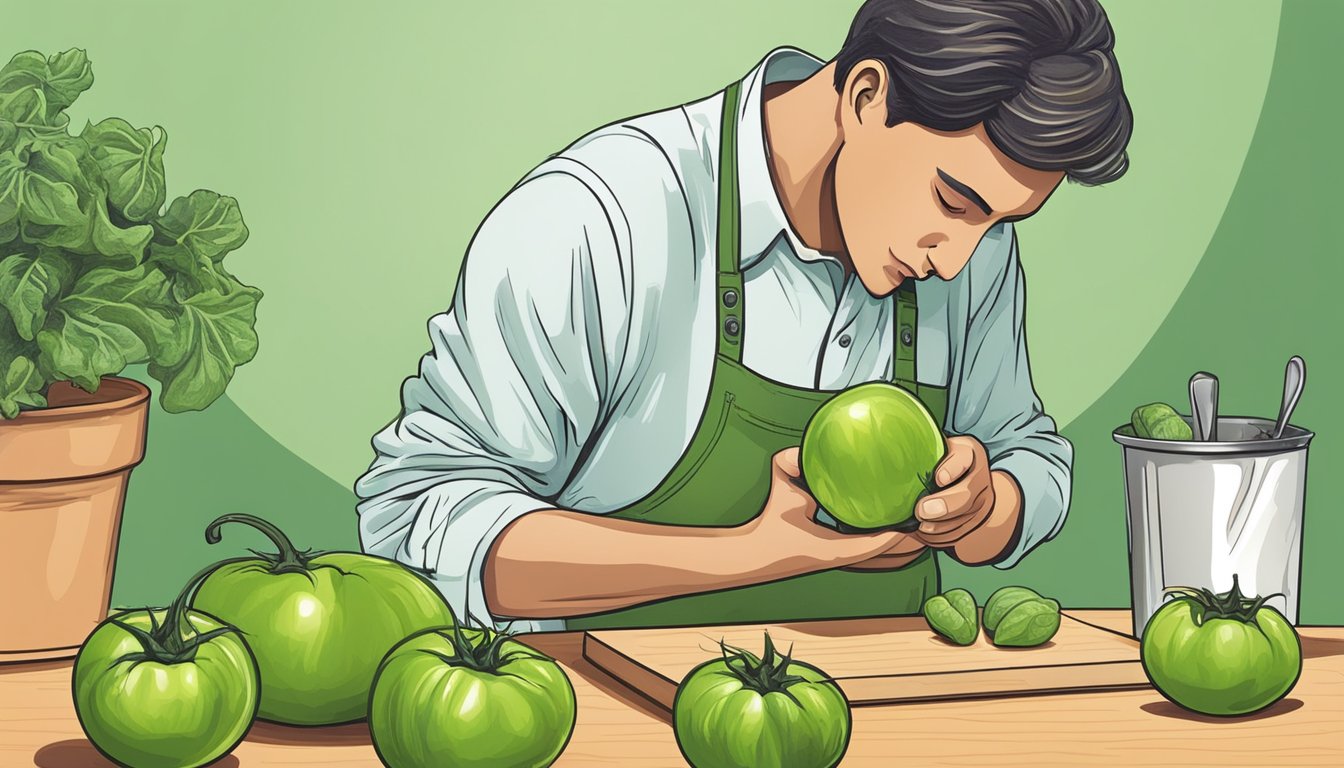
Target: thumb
(785,464)
(786,493)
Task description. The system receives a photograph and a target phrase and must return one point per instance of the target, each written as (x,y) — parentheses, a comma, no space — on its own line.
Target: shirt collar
(762,218)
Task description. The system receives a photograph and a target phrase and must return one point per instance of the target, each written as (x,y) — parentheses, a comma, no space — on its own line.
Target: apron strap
(732,299)
(905,331)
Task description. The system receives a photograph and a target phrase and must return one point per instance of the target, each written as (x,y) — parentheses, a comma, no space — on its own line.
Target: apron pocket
(787,430)
(702,445)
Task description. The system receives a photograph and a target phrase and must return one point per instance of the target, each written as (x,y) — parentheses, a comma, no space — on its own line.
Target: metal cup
(1199,512)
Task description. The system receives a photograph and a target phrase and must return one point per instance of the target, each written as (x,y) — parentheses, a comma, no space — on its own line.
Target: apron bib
(723,478)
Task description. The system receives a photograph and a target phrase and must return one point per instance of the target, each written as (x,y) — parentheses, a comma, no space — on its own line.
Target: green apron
(723,478)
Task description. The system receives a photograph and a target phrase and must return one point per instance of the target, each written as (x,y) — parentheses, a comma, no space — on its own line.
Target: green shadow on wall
(201,465)
(1267,288)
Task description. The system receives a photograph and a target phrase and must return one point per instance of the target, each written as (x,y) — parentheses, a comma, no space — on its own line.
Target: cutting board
(880,661)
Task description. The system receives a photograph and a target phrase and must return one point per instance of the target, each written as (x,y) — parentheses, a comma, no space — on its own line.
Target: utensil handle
(1196,415)
(1294,379)
(1211,424)
(1204,406)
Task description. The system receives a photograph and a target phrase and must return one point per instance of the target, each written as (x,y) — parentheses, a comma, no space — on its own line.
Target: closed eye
(950,208)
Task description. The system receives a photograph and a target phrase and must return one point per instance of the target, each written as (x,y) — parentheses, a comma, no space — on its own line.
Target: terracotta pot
(63,475)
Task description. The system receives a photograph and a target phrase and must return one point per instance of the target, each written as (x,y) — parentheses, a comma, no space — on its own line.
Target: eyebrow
(966,192)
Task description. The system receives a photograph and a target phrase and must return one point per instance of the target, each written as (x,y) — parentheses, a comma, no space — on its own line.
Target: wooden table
(618,728)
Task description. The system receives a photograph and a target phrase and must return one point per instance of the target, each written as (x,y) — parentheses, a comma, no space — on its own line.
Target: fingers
(902,551)
(906,545)
(886,562)
(957,510)
(852,548)
(967,494)
(963,453)
(950,503)
(972,507)
(953,531)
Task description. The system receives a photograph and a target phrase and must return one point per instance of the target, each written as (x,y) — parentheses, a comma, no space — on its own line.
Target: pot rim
(1294,438)
(138,393)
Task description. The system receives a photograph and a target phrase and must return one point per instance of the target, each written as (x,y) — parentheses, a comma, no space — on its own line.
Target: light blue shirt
(574,363)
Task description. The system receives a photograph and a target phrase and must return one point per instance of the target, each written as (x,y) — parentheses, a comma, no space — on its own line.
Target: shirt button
(732,327)
(730,298)
(907,338)
(844,341)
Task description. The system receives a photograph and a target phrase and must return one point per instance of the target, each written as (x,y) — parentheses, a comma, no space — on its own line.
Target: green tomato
(468,697)
(1003,600)
(318,623)
(868,454)
(743,712)
(165,688)
(953,616)
(1220,654)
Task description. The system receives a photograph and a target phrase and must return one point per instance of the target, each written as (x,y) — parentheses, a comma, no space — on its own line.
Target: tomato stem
(174,640)
(288,560)
(926,480)
(1232,604)
(768,674)
(176,616)
(479,648)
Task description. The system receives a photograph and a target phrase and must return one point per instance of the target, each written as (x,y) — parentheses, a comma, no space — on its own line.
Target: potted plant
(95,274)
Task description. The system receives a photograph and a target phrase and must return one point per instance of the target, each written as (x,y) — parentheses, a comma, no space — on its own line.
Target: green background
(365,142)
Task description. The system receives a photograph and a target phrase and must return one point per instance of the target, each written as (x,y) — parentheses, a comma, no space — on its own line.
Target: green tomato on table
(1220,654)
(165,688)
(319,623)
(741,711)
(469,697)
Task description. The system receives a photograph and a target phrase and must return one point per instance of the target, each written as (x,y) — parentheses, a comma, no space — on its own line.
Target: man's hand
(898,555)
(788,540)
(977,511)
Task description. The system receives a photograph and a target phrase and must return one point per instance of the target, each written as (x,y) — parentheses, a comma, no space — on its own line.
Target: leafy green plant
(95,273)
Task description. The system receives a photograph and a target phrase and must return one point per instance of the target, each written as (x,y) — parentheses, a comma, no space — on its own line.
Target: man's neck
(802,138)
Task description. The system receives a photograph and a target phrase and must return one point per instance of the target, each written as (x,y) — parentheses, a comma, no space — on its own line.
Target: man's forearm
(556,563)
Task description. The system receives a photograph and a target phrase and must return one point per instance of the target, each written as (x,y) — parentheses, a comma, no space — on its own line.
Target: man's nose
(931,240)
(925,266)
(929,246)
(948,261)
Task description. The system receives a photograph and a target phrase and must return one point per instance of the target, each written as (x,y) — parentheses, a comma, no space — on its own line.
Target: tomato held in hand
(743,712)
(469,697)
(318,622)
(1221,654)
(159,688)
(869,453)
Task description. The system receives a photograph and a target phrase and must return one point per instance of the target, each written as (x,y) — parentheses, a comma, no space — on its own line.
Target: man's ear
(865,93)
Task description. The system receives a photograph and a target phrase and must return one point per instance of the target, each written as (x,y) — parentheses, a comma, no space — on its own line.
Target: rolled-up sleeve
(513,387)
(995,400)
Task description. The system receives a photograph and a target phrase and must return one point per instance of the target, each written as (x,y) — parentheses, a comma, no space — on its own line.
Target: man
(605,431)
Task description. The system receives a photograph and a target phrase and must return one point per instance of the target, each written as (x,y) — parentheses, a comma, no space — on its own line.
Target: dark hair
(1040,75)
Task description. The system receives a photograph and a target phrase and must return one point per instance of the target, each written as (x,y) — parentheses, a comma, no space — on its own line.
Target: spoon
(1294,378)
(1204,406)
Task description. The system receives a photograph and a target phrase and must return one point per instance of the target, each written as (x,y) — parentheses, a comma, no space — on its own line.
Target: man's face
(913,202)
